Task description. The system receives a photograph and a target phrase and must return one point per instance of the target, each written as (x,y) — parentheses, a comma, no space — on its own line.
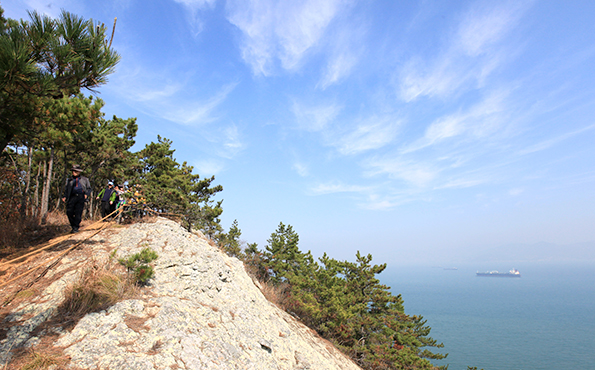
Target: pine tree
(230,241)
(283,257)
(44,59)
(346,303)
(172,188)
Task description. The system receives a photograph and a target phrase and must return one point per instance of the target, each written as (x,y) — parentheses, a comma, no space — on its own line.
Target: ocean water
(543,320)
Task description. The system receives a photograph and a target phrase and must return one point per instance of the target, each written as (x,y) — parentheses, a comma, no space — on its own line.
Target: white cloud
(546,144)
(379,205)
(209,167)
(485,25)
(280,30)
(232,143)
(194,6)
(438,80)
(197,3)
(339,66)
(156,94)
(469,56)
(461,183)
(373,133)
(516,191)
(52,8)
(196,111)
(335,187)
(344,48)
(163,96)
(479,121)
(316,118)
(388,201)
(416,173)
(301,169)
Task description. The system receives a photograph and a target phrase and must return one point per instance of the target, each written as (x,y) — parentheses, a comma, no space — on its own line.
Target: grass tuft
(41,360)
(276,294)
(98,288)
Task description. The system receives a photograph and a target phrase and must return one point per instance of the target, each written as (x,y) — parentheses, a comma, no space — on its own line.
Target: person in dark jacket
(108,199)
(76,192)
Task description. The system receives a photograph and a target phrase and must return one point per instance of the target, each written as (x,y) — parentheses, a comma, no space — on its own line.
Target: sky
(417,131)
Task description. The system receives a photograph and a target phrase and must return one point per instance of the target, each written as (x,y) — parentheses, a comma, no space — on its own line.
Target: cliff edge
(200,311)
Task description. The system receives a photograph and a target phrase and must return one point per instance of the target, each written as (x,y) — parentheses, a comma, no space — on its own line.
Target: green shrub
(138,264)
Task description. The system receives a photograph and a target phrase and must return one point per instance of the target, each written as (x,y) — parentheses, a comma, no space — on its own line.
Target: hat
(110,183)
(76,168)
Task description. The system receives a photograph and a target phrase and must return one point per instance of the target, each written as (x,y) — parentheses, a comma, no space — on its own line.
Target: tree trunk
(25,197)
(46,188)
(35,207)
(43,201)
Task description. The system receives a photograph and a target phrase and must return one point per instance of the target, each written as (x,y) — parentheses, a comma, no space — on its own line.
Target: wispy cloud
(157,94)
(283,31)
(461,183)
(301,169)
(198,112)
(389,199)
(479,121)
(336,187)
(197,4)
(314,118)
(487,23)
(470,55)
(546,144)
(344,50)
(416,173)
(371,133)
(349,136)
(516,191)
(165,96)
(194,7)
(339,66)
(232,143)
(51,8)
(208,167)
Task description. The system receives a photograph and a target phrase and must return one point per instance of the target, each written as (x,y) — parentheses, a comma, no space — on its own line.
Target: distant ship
(511,273)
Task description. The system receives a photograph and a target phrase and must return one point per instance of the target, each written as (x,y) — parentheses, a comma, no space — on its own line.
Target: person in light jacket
(76,192)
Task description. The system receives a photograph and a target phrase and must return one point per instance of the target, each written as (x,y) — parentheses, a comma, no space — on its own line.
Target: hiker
(121,196)
(76,192)
(108,197)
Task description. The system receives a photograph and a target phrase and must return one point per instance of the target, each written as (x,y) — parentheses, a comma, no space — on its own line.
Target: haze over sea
(544,320)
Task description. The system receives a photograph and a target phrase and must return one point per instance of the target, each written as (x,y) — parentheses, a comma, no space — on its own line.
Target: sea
(543,320)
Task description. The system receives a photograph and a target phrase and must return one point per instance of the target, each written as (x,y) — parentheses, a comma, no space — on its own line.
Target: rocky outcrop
(201,311)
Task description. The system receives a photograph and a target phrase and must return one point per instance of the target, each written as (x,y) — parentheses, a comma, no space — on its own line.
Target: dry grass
(98,288)
(17,233)
(276,294)
(39,360)
(155,348)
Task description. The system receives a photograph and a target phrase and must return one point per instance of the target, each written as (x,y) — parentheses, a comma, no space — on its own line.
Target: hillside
(200,311)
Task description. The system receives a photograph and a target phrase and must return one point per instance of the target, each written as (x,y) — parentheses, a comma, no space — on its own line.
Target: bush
(138,265)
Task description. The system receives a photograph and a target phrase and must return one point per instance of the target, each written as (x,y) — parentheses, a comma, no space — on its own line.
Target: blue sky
(418,131)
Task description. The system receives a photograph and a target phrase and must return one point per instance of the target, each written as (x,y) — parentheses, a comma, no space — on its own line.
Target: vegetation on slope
(343,301)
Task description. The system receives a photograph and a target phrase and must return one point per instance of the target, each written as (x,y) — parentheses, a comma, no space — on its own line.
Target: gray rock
(201,311)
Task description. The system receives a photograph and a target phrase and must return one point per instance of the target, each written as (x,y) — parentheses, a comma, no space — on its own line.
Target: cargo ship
(511,273)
